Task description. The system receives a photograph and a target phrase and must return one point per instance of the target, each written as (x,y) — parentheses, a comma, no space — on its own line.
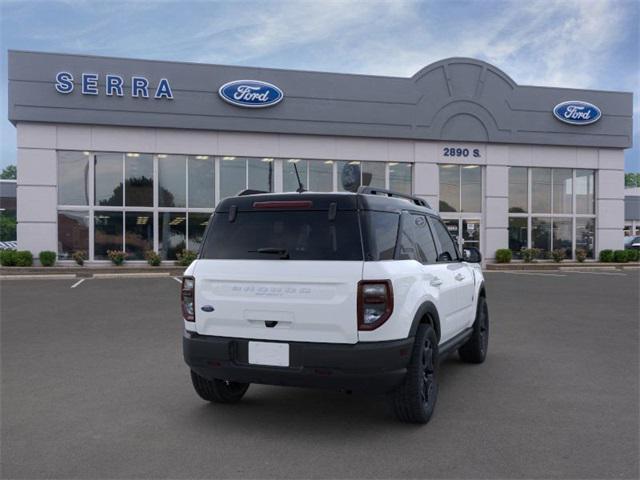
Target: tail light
(187,298)
(375,303)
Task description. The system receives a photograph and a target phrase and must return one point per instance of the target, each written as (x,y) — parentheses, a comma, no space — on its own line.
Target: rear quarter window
(277,235)
(381,234)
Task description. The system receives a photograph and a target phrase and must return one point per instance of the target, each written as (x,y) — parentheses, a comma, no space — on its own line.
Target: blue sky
(569,43)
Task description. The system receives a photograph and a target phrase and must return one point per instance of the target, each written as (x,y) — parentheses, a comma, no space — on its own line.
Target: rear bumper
(367,367)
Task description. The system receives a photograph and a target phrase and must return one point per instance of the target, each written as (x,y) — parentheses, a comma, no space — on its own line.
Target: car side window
(416,241)
(448,250)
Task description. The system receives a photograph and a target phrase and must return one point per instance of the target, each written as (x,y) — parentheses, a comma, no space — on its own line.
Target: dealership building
(134,155)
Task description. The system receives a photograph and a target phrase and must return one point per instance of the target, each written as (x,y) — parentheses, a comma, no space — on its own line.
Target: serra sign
(113,85)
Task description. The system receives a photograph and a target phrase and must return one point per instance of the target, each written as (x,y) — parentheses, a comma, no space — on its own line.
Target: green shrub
(117,256)
(47,258)
(558,255)
(186,257)
(24,258)
(620,256)
(581,254)
(79,256)
(503,255)
(153,258)
(633,255)
(530,255)
(606,255)
(7,258)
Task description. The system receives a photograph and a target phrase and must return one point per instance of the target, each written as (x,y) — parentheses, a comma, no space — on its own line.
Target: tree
(9,173)
(631,180)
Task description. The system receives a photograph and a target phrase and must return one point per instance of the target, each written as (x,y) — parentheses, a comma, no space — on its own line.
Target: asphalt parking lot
(94,386)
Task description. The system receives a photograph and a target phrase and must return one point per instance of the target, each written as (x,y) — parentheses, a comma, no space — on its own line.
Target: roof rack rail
(391,193)
(250,191)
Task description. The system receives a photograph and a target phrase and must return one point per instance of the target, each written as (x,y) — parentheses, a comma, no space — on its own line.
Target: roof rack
(391,193)
(250,191)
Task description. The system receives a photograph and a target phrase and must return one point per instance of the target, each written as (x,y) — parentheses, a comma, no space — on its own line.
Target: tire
(218,391)
(415,400)
(475,349)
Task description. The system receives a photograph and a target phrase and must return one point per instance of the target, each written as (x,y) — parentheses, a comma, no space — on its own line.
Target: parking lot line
(599,273)
(78,283)
(177,279)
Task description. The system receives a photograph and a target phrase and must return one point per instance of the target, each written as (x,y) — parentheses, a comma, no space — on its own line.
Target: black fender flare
(426,309)
(481,290)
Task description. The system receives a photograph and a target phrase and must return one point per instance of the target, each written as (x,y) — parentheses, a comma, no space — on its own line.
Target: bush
(153,258)
(79,256)
(558,255)
(606,256)
(581,254)
(620,256)
(117,256)
(530,254)
(24,258)
(47,258)
(503,255)
(633,255)
(7,258)
(186,257)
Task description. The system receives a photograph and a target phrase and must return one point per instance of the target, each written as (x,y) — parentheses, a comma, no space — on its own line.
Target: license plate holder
(272,354)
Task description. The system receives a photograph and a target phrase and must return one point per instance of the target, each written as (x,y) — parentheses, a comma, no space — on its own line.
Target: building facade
(134,155)
(632,211)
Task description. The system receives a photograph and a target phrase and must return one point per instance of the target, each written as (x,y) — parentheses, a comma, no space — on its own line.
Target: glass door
(465,231)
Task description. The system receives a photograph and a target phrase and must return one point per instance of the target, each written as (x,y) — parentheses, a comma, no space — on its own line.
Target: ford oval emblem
(577,112)
(250,93)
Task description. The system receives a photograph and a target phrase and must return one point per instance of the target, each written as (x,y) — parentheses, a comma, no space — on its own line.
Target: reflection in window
(449,188)
(73,233)
(108,179)
(541,235)
(138,234)
(197,223)
(562,235)
(541,190)
(349,176)
(233,176)
(171,180)
(585,192)
(138,170)
(373,174)
(585,235)
(172,234)
(289,178)
(517,235)
(562,190)
(471,188)
(201,182)
(400,177)
(108,233)
(320,175)
(73,178)
(518,190)
(260,175)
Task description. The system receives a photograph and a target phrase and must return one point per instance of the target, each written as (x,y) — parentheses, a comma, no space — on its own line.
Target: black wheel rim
(428,373)
(483,331)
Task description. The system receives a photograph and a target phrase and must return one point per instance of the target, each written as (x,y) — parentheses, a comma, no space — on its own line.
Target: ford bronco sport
(357,291)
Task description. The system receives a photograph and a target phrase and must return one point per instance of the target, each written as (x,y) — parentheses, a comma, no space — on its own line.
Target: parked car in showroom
(360,291)
(632,242)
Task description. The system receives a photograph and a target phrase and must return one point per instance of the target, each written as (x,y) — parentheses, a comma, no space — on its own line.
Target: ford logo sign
(250,93)
(576,112)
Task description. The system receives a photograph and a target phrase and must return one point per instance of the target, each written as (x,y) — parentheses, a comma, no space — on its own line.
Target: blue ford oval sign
(577,112)
(250,93)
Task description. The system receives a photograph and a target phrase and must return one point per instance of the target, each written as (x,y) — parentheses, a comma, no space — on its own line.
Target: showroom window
(163,202)
(460,188)
(551,209)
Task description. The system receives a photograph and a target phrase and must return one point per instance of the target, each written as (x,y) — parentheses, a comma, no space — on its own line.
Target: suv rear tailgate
(284,300)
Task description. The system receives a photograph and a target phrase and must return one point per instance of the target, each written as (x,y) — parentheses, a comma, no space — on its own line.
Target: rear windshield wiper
(284,254)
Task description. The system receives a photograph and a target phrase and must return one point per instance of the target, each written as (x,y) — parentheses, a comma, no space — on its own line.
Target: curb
(496,267)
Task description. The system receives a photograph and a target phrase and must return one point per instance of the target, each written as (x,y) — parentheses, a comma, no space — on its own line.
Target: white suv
(357,291)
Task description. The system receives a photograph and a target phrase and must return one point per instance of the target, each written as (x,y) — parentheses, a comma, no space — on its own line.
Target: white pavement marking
(55,276)
(533,273)
(177,279)
(78,283)
(599,273)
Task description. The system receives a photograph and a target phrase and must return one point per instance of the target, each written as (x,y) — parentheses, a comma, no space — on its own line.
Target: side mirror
(471,255)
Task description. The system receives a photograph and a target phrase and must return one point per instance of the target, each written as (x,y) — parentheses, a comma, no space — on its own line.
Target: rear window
(382,233)
(277,235)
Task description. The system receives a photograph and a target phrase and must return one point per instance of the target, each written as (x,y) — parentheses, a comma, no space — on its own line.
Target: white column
(426,177)
(37,188)
(496,209)
(610,200)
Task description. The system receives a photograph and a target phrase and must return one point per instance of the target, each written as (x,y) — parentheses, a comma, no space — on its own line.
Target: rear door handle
(459,277)
(435,282)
